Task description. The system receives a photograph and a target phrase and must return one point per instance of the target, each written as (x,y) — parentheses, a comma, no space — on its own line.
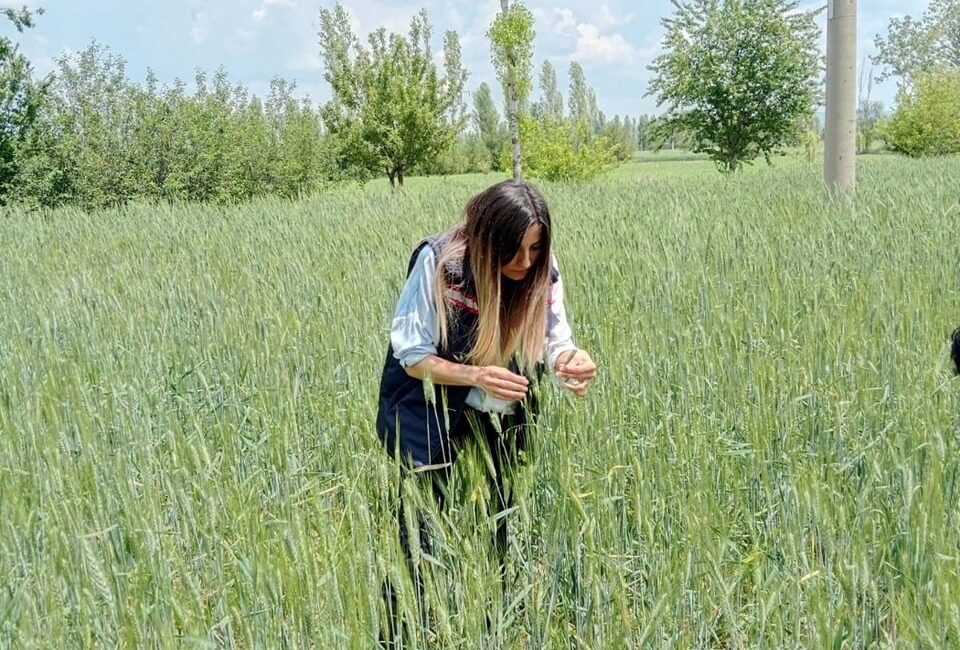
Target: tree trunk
(392,174)
(400,177)
(514,120)
(513,115)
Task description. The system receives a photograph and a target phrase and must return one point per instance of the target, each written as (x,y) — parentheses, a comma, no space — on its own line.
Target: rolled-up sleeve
(415,330)
(559,334)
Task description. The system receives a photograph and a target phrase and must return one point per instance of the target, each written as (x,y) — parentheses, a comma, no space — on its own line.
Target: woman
(481,311)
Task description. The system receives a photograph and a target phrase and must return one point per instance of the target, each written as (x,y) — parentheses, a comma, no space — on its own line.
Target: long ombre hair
(512,315)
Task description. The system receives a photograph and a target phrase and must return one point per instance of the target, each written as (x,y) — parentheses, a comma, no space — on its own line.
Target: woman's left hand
(576,370)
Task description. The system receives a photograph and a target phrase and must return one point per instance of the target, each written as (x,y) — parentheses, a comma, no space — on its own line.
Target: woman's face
(527,255)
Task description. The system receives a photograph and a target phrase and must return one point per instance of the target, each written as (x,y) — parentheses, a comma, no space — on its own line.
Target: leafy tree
(643,137)
(223,145)
(152,139)
(870,116)
(869,113)
(203,145)
(21,98)
(619,135)
(391,110)
(511,43)
(810,137)
(550,105)
(736,74)
(468,155)
(302,162)
(914,46)
(487,121)
(582,101)
(555,150)
(632,132)
(87,130)
(927,120)
(104,140)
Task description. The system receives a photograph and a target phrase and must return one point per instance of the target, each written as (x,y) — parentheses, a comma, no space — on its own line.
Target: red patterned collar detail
(456,298)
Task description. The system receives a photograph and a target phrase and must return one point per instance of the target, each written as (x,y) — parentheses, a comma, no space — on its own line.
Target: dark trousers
(502,447)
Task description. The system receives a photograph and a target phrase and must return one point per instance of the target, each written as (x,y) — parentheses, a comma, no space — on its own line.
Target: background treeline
(97,138)
(88,135)
(100,139)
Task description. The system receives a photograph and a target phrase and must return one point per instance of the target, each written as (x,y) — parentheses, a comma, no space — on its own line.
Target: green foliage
(467,155)
(643,135)
(810,136)
(86,133)
(914,46)
(582,99)
(391,110)
(511,46)
(486,119)
(555,150)
(870,120)
(810,141)
(736,74)
(102,140)
(21,19)
(21,99)
(927,120)
(550,105)
(511,41)
(620,138)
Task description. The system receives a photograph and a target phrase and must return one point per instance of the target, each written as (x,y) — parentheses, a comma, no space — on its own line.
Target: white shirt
(416,330)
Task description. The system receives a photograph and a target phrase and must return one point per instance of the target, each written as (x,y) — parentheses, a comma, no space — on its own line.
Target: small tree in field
(927,121)
(555,150)
(736,75)
(391,110)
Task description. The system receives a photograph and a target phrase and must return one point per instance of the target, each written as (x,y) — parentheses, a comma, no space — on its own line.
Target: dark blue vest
(408,424)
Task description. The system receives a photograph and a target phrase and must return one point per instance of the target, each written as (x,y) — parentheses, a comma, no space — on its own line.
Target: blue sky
(255,40)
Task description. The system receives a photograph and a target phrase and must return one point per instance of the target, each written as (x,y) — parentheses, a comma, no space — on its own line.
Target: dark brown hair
(513,318)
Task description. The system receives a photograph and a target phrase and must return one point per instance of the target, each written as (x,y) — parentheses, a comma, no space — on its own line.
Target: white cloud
(259,14)
(594,46)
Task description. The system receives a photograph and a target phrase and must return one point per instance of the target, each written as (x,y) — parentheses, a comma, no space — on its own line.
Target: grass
(769,459)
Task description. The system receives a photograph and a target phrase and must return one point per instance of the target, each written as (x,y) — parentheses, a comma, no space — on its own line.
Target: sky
(257,40)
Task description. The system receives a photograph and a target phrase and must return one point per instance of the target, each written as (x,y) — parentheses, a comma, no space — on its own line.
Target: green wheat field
(768,459)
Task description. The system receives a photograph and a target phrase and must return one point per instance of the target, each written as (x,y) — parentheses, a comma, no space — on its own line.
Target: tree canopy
(913,46)
(737,76)
(391,109)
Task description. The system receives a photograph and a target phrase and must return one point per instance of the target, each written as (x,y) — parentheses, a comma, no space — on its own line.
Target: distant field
(770,457)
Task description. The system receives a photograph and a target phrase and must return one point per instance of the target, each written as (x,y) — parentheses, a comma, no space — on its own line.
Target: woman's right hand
(501,383)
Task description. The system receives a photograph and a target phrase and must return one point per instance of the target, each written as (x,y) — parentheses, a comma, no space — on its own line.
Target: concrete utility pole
(840,137)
